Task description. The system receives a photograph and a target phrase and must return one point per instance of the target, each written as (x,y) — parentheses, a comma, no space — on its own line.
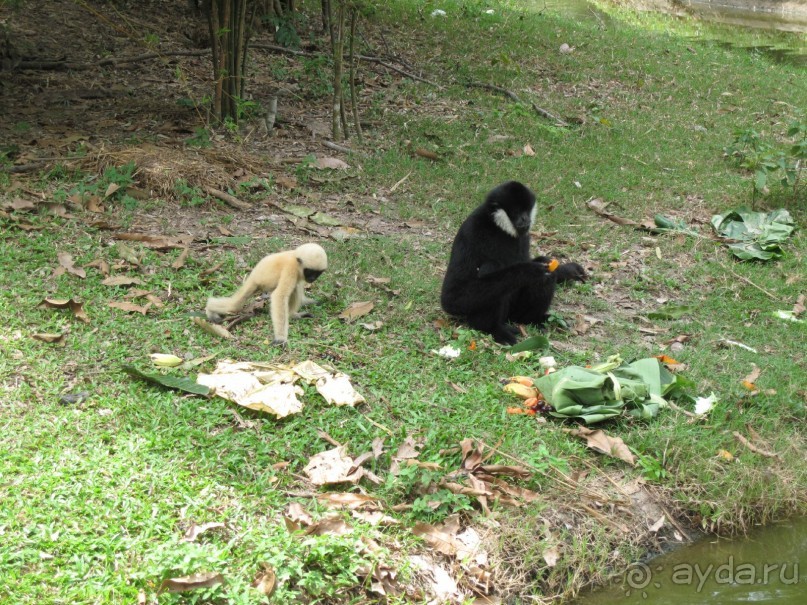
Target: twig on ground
(228,199)
(754,448)
(750,283)
(514,97)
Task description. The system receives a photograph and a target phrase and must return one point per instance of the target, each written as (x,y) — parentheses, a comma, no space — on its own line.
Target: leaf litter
(272,388)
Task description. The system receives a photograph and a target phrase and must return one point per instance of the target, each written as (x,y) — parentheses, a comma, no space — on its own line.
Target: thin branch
(228,199)
(514,97)
(750,283)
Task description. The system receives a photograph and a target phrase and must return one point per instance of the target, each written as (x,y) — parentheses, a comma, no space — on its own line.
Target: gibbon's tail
(228,305)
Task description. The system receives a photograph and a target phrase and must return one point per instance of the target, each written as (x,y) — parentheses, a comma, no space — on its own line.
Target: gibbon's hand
(543,262)
(571,272)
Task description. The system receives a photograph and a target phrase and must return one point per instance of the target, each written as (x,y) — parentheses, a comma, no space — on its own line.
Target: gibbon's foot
(303,315)
(506,335)
(570,272)
(277,342)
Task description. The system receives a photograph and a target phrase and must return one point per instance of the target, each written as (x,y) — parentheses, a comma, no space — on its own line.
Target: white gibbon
(283,274)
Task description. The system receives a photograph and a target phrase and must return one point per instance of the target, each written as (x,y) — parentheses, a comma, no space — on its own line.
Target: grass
(96,496)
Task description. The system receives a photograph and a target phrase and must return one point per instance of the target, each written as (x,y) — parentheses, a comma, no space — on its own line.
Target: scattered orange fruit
(553,264)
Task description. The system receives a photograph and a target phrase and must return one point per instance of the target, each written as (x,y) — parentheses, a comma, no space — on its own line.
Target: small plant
(435,507)
(768,161)
(285,32)
(200,138)
(652,469)
(189,196)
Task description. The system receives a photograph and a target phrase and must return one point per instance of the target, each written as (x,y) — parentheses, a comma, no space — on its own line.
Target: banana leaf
(609,390)
(760,234)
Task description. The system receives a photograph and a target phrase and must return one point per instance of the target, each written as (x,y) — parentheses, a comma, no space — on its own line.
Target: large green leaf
(608,390)
(180,383)
(759,235)
(534,343)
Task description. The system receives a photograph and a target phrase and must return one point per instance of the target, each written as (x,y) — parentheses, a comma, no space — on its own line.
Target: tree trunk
(338,132)
(229,35)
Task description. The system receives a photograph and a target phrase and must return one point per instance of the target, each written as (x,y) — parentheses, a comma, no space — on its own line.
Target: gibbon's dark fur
(284,275)
(491,279)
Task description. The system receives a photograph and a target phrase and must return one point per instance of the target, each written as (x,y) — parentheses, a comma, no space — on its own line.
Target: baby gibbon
(283,274)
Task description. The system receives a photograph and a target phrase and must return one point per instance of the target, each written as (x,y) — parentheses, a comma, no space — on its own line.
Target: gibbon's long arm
(286,299)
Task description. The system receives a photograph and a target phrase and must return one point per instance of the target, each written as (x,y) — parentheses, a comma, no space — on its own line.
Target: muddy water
(767,566)
(775,28)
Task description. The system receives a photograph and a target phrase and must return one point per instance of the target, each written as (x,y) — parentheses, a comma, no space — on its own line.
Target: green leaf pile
(609,389)
(759,235)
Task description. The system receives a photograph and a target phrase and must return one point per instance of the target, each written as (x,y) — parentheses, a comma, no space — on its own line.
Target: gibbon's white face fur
(504,223)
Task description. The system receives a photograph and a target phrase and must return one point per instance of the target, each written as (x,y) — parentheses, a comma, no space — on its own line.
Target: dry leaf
(425,153)
(93,204)
(77,308)
(357,309)
(122,280)
(129,307)
(180,261)
(330,163)
(331,466)
(19,204)
(528,150)
(375,517)
(600,442)
(266,582)
(799,307)
(57,339)
(373,325)
(157,242)
(331,525)
(194,531)
(66,262)
(657,525)
(99,264)
(193,582)
(299,515)
(212,329)
(347,500)
(113,187)
(551,556)
(337,390)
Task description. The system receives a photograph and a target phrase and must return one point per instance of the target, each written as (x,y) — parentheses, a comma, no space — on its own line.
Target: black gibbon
(491,279)
(282,274)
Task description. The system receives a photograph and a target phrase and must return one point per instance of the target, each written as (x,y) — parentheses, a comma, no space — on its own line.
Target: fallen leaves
(272,388)
(49,337)
(192,582)
(332,466)
(357,309)
(122,280)
(75,307)
(212,329)
(66,265)
(600,442)
(129,307)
